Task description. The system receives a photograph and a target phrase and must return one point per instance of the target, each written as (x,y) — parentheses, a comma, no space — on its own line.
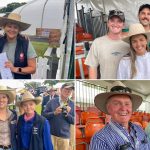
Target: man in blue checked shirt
(119,133)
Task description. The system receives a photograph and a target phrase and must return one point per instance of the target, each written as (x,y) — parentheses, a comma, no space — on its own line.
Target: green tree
(10,7)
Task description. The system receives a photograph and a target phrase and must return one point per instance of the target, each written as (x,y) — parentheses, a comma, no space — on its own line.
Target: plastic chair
(86,115)
(91,128)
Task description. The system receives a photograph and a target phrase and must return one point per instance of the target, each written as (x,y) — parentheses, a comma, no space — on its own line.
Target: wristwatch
(19,69)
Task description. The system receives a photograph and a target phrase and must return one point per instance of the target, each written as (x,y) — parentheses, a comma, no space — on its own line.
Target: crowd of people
(31,131)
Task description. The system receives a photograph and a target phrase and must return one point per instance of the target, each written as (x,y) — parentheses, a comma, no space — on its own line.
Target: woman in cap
(33,130)
(137,65)
(119,133)
(21,54)
(8,120)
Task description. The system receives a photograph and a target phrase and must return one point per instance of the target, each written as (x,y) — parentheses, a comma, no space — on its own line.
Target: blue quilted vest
(20,59)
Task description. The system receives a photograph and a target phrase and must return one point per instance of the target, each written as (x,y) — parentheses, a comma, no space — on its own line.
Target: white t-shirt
(142,65)
(106,53)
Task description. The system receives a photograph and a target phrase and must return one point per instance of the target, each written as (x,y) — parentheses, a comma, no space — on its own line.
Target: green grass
(40,47)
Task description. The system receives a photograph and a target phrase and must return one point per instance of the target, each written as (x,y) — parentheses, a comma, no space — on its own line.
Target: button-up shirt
(109,139)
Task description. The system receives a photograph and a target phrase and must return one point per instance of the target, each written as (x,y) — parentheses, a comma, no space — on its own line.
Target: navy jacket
(45,101)
(60,125)
(20,58)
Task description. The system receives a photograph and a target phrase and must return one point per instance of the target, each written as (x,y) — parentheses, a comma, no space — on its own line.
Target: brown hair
(133,57)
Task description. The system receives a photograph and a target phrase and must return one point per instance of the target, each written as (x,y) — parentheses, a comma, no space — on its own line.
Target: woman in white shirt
(137,65)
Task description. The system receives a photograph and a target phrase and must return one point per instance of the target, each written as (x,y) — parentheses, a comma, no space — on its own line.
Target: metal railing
(85,93)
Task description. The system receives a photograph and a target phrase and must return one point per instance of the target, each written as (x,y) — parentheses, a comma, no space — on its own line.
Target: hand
(58,110)
(8,64)
(68,108)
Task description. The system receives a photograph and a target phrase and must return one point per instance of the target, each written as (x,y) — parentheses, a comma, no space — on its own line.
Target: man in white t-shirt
(107,51)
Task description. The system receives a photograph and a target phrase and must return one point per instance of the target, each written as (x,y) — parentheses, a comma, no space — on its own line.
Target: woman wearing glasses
(137,65)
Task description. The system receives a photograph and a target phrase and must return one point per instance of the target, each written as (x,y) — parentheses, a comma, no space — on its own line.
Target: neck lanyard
(124,137)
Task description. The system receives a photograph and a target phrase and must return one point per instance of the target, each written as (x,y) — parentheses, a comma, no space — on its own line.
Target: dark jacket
(45,101)
(36,142)
(13,130)
(20,58)
(60,125)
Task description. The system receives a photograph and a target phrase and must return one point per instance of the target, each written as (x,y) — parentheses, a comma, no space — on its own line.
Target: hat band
(121,89)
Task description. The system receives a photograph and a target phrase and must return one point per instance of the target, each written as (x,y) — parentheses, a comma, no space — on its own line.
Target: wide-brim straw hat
(118,88)
(16,19)
(11,93)
(27,96)
(135,29)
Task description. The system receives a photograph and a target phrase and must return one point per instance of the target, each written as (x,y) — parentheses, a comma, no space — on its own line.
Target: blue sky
(4,3)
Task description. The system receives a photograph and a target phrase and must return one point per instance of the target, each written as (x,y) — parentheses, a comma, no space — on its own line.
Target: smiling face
(144,17)
(11,31)
(139,44)
(120,109)
(65,93)
(29,107)
(3,101)
(115,25)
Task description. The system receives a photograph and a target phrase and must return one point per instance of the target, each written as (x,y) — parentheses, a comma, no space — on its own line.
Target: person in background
(60,113)
(8,120)
(20,52)
(144,16)
(51,94)
(107,50)
(33,130)
(119,133)
(136,66)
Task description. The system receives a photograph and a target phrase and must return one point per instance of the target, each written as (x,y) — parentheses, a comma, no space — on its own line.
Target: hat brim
(22,26)
(101,100)
(127,38)
(37,101)
(11,94)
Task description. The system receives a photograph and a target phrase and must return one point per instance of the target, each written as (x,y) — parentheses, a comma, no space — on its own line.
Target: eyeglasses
(121,89)
(116,12)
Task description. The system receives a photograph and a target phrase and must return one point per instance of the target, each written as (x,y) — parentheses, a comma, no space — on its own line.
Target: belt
(5,147)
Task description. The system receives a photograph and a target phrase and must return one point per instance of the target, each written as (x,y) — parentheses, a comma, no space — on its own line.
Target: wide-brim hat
(11,93)
(27,96)
(118,88)
(16,19)
(135,29)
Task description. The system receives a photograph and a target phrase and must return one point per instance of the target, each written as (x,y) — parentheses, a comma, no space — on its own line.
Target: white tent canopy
(129,7)
(42,14)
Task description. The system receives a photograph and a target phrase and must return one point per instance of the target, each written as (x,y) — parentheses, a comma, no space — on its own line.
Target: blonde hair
(133,57)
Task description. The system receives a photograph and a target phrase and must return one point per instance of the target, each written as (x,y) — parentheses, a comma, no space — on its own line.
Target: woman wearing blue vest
(8,120)
(21,54)
(33,130)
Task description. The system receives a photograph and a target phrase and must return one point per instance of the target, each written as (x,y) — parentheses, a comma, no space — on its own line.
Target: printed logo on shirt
(35,130)
(116,53)
(21,57)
